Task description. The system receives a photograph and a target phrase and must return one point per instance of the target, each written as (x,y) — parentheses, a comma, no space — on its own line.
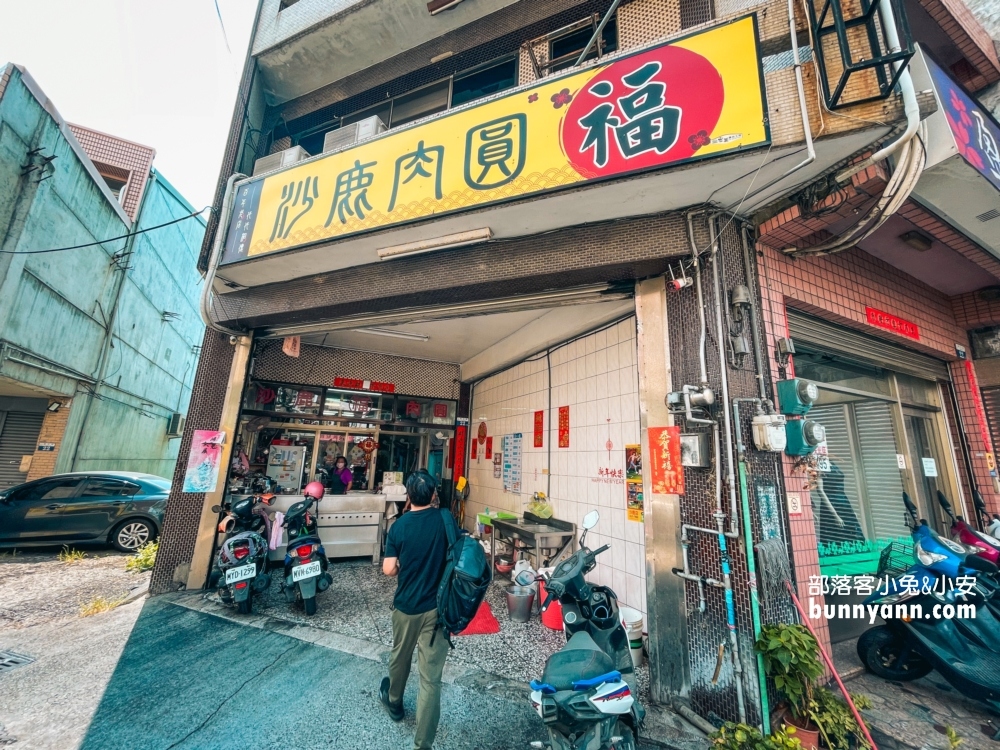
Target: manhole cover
(9,660)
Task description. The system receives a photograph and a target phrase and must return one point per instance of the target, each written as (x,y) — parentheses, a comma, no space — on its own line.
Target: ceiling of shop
(481,343)
(940,267)
(13,389)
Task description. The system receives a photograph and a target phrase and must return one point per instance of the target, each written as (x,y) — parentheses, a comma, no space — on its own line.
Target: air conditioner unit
(348,135)
(279,160)
(175,425)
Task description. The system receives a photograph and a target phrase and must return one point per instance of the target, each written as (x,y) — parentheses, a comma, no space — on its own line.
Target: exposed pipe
(751,560)
(701,301)
(597,32)
(213,262)
(911,108)
(734,528)
(803,108)
(754,320)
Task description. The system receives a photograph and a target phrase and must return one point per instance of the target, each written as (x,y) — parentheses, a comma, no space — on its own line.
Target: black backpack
(467,575)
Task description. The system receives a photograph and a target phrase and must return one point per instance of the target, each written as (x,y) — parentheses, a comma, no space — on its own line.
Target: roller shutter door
(18,437)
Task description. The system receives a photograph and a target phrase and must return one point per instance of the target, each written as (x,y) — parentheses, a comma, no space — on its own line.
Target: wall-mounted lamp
(54,406)
(917,240)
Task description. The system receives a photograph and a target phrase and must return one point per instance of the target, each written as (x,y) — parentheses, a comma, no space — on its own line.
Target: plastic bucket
(519,599)
(552,617)
(632,622)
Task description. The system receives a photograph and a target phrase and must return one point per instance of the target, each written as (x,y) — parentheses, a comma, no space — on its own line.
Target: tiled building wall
(838,288)
(183,514)
(43,463)
(116,152)
(597,378)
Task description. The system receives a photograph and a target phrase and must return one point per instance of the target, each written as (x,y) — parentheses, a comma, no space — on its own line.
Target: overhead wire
(109,239)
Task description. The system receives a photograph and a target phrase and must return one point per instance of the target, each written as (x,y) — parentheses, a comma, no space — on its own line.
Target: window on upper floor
(565,49)
(484,80)
(285,4)
(425,101)
(116,186)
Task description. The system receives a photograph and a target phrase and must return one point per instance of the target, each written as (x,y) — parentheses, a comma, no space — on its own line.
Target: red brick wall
(838,288)
(43,463)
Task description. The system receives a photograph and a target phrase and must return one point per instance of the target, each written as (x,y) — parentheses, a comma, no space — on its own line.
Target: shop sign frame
(608,121)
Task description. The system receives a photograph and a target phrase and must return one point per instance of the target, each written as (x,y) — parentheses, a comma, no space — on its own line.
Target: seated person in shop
(416,551)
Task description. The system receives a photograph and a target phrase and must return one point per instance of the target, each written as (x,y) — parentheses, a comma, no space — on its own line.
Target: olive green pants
(416,631)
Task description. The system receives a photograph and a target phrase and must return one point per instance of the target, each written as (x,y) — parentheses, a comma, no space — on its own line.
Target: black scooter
(910,645)
(586,696)
(242,560)
(305,559)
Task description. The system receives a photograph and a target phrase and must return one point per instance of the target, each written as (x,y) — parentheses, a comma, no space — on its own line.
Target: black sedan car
(124,509)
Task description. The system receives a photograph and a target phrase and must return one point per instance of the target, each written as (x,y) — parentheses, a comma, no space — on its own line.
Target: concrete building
(530,242)
(98,344)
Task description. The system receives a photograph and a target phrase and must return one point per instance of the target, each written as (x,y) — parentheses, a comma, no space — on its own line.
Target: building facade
(98,344)
(585,250)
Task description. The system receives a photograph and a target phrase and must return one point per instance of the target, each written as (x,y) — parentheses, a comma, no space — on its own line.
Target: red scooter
(989,547)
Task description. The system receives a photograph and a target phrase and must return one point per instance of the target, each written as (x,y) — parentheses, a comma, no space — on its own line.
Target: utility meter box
(695,450)
(803,435)
(796,396)
(769,432)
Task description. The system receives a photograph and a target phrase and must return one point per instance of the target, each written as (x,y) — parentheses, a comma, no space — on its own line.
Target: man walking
(416,551)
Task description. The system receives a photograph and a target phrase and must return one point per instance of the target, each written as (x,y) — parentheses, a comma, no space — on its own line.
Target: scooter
(586,697)
(988,546)
(305,559)
(912,644)
(242,560)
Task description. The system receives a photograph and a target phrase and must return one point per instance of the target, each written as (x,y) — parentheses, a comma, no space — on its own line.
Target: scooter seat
(580,659)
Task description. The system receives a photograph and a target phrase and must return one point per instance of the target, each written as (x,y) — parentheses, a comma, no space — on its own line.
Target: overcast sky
(150,71)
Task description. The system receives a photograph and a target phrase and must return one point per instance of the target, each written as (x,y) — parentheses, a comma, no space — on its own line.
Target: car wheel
(132,534)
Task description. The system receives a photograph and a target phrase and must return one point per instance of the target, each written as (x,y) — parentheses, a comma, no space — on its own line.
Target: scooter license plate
(241,573)
(308,570)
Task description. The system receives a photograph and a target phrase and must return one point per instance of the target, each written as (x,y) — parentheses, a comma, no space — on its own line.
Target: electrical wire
(110,239)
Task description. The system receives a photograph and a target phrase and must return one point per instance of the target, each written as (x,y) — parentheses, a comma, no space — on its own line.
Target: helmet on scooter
(314,490)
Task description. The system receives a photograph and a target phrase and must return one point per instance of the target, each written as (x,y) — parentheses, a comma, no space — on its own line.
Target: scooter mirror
(216,509)
(525,578)
(945,504)
(590,520)
(910,507)
(977,500)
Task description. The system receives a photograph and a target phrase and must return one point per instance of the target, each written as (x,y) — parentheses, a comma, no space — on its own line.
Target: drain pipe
(803,108)
(701,301)
(597,32)
(213,261)
(911,108)
(754,319)
(751,561)
(734,528)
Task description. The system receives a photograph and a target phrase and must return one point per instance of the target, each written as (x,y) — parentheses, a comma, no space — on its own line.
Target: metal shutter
(991,401)
(805,329)
(883,484)
(18,435)
(834,418)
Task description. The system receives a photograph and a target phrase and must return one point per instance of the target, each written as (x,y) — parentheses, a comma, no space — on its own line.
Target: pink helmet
(314,490)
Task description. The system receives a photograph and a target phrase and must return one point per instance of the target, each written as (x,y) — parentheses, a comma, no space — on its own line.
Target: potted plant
(837,725)
(744,737)
(791,659)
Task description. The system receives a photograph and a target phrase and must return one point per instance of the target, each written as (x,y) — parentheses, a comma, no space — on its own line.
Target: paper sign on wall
(794,504)
(930,466)
(204,459)
(489,448)
(665,467)
(564,427)
(900,460)
(635,505)
(512,462)
(497,465)
(539,429)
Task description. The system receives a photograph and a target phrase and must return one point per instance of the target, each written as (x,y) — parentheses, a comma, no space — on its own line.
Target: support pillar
(665,600)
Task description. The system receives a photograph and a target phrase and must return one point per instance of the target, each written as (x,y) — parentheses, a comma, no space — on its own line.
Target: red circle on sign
(367,445)
(692,84)
(482,432)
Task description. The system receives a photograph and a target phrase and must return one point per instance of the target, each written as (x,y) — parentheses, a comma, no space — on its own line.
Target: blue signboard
(977,134)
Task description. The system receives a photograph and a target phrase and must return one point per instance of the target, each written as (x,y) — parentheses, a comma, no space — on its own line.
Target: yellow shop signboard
(693,98)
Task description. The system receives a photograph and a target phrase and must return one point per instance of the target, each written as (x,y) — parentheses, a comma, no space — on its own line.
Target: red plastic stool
(552,617)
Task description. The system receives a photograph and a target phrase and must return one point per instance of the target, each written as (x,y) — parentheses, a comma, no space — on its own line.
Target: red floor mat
(484,623)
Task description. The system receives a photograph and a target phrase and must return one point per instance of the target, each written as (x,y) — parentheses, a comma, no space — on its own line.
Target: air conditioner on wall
(347,135)
(175,425)
(279,160)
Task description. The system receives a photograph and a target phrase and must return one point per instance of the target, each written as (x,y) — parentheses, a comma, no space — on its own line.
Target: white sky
(152,71)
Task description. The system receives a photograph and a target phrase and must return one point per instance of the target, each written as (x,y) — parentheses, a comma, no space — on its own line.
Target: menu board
(511,447)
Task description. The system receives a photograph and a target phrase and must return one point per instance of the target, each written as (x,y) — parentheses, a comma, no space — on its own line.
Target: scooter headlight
(927,558)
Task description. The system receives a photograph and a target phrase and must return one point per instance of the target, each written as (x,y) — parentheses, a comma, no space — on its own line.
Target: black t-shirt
(420,542)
